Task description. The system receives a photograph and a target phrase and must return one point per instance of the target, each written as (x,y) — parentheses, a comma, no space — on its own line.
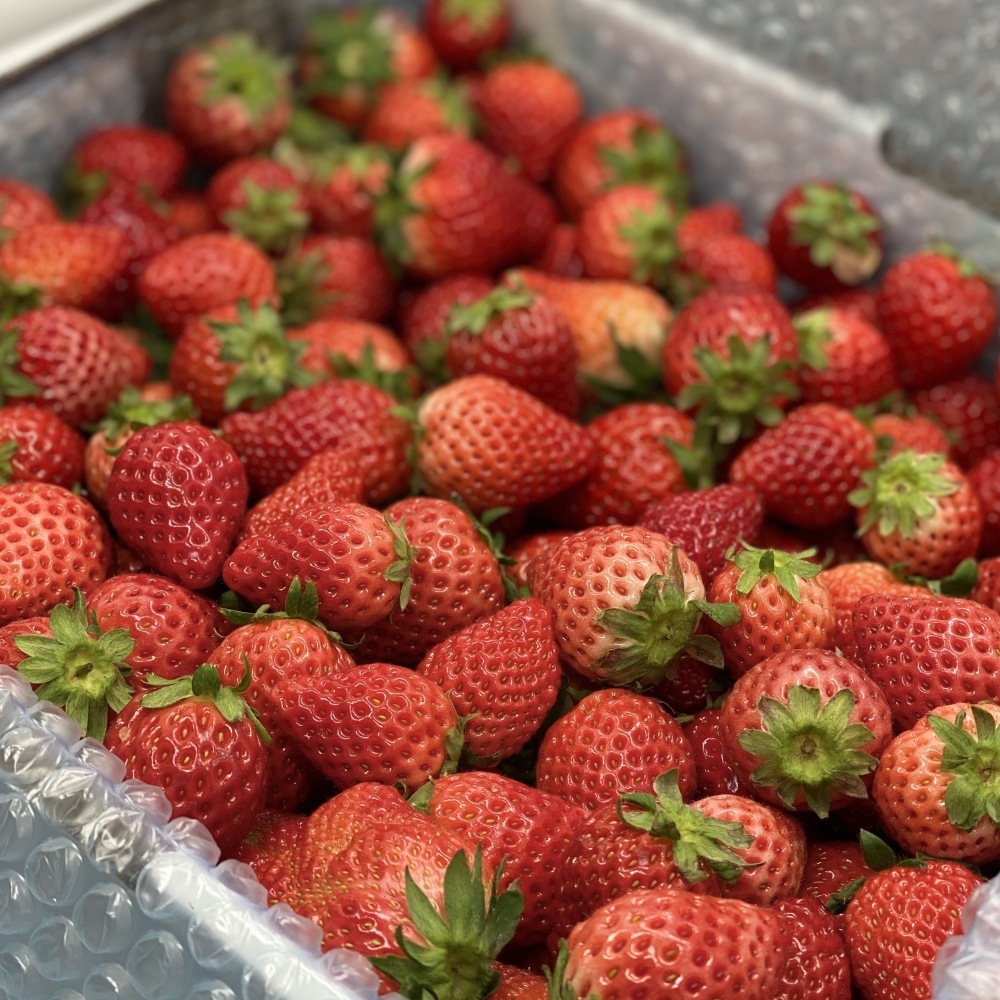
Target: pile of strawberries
(413,483)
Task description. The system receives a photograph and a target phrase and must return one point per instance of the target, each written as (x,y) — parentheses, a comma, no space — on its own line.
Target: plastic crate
(100,896)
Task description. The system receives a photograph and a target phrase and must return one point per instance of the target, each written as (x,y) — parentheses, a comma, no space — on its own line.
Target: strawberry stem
(974,760)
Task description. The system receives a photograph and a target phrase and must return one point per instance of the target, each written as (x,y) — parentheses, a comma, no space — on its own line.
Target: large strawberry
(202,744)
(176,496)
(51,542)
(38,446)
(928,651)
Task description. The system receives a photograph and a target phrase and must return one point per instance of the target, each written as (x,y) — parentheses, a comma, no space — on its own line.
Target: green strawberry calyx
(301,602)
(463,939)
(879,856)
(79,668)
(788,568)
(661,626)
(479,15)
(16,297)
(270,216)
(205,684)
(130,412)
(302,286)
(965,267)
(652,238)
(813,330)
(399,571)
(810,750)
(350,51)
(634,377)
(8,449)
(974,760)
(900,492)
(241,69)
(473,317)
(268,363)
(839,233)
(395,382)
(698,840)
(394,205)
(653,158)
(13,382)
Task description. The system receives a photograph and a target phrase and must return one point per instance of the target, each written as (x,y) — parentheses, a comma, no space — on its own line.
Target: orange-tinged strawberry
(23,205)
(139,156)
(406,110)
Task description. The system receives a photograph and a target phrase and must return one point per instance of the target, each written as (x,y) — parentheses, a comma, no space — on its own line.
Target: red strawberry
(188,211)
(612,742)
(10,653)
(928,651)
(407,110)
(463,32)
(374,722)
(614,148)
(716,774)
(526,549)
(933,789)
(52,542)
(987,588)
(984,478)
(23,205)
(910,433)
(897,922)
(454,207)
(528,108)
(706,523)
(817,968)
(502,675)
(831,865)
(968,409)
(918,513)
(202,744)
(559,256)
(938,313)
(722,259)
(496,445)
(342,185)
(38,446)
(859,302)
(204,272)
(176,496)
(354,556)
(824,235)
(138,156)
(806,727)
(266,848)
(455,579)
(674,936)
(228,97)
(806,466)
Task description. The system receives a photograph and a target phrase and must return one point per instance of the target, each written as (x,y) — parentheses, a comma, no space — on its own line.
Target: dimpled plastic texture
(102,899)
(900,98)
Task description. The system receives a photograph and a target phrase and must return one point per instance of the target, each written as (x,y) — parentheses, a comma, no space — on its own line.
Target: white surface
(33,29)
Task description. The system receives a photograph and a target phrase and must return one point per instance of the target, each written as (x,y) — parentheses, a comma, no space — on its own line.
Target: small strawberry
(23,205)
(937,312)
(142,158)
(407,110)
(52,541)
(176,496)
(817,967)
(859,302)
(189,213)
(824,235)
(38,446)
(721,259)
(203,745)
(464,32)
(968,408)
(228,97)
(525,549)
(343,184)
(716,774)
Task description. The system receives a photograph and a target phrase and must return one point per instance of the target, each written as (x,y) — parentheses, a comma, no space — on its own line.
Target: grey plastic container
(100,896)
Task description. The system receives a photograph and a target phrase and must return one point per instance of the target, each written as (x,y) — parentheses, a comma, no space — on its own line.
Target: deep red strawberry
(38,446)
(817,967)
(968,408)
(718,260)
(141,157)
(716,774)
(984,478)
(343,184)
(463,32)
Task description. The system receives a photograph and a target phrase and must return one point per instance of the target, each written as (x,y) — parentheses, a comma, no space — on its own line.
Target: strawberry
(781,603)
(328,477)
(228,97)
(424,316)
(455,579)
(502,675)
(611,742)
(52,542)
(342,185)
(176,496)
(859,302)
(628,234)
(407,110)
(63,264)
(515,334)
(202,745)
(10,653)
(715,772)
(22,206)
(275,442)
(721,259)
(355,557)
(987,588)
(807,727)
(347,55)
(526,830)
(846,360)
(918,512)
(897,922)
(201,273)
(806,467)
(463,32)
(496,445)
(825,235)
(528,109)
(832,865)
(928,651)
(260,200)
(189,213)
(636,466)
(937,312)
(452,206)
(267,846)
(672,937)
(706,523)
(327,276)
(236,357)
(38,446)
(910,433)
(949,756)
(138,156)
(984,478)
(525,550)
(374,722)
(968,408)
(614,148)
(559,257)
(817,967)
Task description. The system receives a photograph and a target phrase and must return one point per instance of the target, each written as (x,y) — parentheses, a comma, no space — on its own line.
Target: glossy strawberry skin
(968,408)
(613,741)
(52,542)
(49,450)
(374,722)
(817,967)
(176,496)
(715,771)
(831,865)
(928,651)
